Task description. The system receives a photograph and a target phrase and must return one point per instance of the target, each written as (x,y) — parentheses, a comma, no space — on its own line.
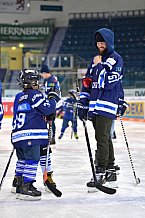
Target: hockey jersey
(29,126)
(69,108)
(106,89)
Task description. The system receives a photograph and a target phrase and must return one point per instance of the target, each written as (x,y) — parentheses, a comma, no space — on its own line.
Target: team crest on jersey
(29,142)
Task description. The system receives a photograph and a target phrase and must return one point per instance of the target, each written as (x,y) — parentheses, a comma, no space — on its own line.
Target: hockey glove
(87,82)
(54,94)
(122,106)
(82,111)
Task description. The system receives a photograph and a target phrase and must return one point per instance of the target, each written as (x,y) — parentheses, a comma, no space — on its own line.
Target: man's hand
(122,106)
(82,111)
(97,59)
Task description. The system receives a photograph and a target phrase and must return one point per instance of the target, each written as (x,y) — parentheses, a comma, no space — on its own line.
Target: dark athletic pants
(105,151)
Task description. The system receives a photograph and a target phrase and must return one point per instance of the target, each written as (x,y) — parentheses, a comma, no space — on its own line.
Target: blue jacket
(106,90)
(29,126)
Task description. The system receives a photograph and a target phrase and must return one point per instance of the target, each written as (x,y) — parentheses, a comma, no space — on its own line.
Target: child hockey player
(30,133)
(70,114)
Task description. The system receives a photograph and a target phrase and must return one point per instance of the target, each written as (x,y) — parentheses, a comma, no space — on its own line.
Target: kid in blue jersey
(70,114)
(30,133)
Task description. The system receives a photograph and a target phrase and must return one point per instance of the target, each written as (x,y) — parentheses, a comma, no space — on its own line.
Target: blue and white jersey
(1,105)
(106,90)
(69,108)
(29,126)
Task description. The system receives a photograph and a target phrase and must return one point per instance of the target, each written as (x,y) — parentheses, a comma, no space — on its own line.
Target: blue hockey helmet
(29,78)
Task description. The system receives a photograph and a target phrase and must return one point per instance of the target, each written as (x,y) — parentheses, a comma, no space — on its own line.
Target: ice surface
(72,171)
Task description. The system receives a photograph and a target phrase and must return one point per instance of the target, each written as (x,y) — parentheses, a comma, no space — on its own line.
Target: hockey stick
(72,127)
(102,188)
(53,189)
(71,131)
(6,169)
(130,158)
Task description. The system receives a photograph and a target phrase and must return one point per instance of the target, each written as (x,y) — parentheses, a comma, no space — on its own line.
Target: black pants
(105,150)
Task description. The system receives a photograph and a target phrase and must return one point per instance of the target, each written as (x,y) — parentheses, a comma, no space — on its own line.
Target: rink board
(134,112)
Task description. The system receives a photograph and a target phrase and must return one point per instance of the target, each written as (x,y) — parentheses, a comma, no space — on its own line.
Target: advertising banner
(21,33)
(8,108)
(135,110)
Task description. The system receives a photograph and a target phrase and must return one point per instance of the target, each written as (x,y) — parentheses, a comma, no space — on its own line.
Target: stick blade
(105,189)
(137,181)
(54,190)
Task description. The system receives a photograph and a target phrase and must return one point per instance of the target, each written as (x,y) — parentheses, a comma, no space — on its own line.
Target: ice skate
(100,177)
(76,135)
(29,193)
(52,142)
(61,135)
(17,182)
(114,167)
(18,185)
(117,168)
(14,185)
(111,178)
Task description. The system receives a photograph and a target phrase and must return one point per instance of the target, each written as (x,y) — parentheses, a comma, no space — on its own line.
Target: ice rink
(72,171)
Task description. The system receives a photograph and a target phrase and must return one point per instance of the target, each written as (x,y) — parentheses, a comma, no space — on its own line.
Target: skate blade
(17,195)
(115,172)
(13,190)
(112,184)
(92,190)
(29,198)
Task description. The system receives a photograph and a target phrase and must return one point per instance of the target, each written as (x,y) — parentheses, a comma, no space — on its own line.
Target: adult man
(102,92)
(50,82)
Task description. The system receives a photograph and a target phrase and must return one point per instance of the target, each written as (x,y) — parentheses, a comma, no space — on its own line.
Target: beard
(102,52)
